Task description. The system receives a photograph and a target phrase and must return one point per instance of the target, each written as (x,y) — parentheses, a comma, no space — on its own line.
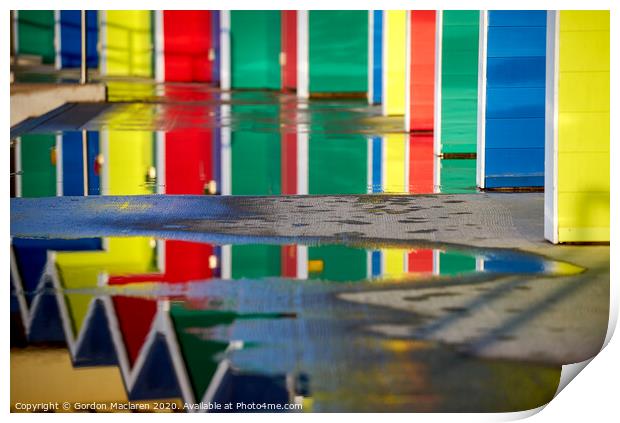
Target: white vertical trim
(18,167)
(302,262)
(479,264)
(59,174)
(436,260)
(371,56)
(226,265)
(408,76)
(437,147)
(437,174)
(482,98)
(302,152)
(225,50)
(303,54)
(551,126)
(160,161)
(384,62)
(103,42)
(57,42)
(160,69)
(368,264)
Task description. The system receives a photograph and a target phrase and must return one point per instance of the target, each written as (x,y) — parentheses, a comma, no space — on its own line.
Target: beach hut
(34,34)
(185,45)
(420,81)
(126,43)
(69,45)
(250,49)
(455,175)
(511,101)
(288,54)
(421,164)
(375,56)
(35,157)
(456,82)
(332,53)
(400,163)
(394,87)
(577,142)
(70,163)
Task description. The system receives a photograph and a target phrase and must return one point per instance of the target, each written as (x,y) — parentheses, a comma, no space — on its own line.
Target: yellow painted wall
(395,62)
(583,126)
(127,43)
(395,165)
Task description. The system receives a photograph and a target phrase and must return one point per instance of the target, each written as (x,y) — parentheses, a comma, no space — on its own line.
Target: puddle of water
(154,319)
(176,139)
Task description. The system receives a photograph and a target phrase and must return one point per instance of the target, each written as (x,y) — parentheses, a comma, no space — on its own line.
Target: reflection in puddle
(256,323)
(144,319)
(193,141)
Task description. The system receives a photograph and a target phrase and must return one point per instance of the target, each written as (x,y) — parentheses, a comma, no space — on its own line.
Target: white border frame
(551,126)
(159,53)
(482,99)
(303,54)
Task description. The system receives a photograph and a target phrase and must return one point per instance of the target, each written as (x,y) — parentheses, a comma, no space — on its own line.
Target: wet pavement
(322,258)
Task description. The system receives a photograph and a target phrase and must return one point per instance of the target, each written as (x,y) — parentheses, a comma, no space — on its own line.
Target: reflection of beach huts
(47,165)
(68,35)
(127,158)
(156,348)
